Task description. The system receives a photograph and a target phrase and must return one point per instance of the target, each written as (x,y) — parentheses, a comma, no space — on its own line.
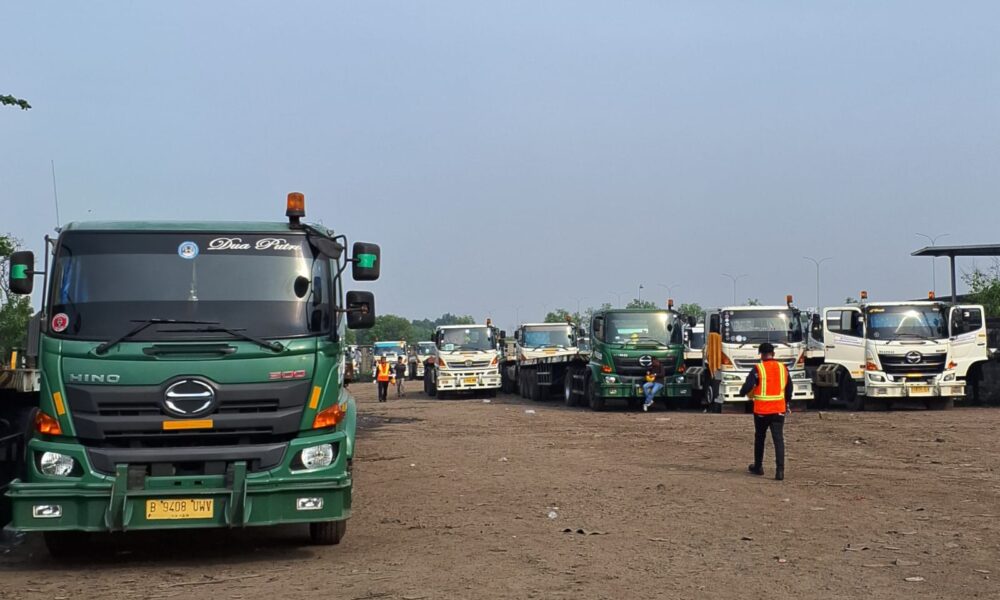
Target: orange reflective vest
(383,372)
(769,394)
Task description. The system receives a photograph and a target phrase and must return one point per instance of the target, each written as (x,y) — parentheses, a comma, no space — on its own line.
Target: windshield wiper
(143,324)
(648,339)
(917,335)
(238,333)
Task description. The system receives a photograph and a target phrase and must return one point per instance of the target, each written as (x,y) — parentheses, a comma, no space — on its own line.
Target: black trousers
(383,391)
(776,423)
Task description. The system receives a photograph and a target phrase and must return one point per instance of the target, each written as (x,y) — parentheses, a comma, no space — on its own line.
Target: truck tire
(710,395)
(506,385)
(849,394)
(538,392)
(569,397)
(327,533)
(66,544)
(522,384)
(594,399)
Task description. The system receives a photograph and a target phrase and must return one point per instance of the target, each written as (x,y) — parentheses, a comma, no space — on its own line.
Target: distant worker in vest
(770,387)
(383,374)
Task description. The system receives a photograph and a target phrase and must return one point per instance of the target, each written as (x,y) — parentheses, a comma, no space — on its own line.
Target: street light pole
(817,263)
(639,297)
(933,240)
(735,278)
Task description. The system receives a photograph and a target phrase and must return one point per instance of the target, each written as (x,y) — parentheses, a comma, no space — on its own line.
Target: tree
(636,303)
(12,101)
(850,300)
(753,301)
(984,287)
(560,315)
(15,311)
(692,309)
(386,328)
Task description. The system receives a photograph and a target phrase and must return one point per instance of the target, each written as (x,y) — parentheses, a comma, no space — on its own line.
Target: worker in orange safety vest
(769,385)
(383,374)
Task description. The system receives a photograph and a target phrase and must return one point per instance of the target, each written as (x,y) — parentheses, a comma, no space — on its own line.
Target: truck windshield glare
(468,338)
(906,322)
(386,349)
(627,328)
(758,326)
(271,286)
(555,335)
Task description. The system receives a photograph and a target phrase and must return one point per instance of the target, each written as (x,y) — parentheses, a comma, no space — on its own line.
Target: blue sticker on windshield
(187,250)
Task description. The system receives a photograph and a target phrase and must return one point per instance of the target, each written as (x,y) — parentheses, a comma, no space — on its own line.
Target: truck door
(844,339)
(967,328)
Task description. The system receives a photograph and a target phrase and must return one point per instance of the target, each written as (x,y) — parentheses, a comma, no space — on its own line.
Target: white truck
(466,358)
(886,352)
(421,352)
(734,334)
(537,365)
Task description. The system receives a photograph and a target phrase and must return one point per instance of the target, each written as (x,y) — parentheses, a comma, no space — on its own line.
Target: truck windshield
(642,328)
(265,285)
(907,322)
(383,350)
(549,335)
(466,338)
(757,326)
(425,348)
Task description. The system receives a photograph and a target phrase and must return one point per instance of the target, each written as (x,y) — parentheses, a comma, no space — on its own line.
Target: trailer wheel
(594,399)
(569,398)
(327,533)
(66,544)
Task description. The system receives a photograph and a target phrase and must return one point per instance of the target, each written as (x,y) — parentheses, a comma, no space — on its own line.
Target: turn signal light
(329,417)
(930,295)
(681,368)
(606,369)
(871,366)
(670,303)
(952,364)
(726,360)
(788,299)
(46,424)
(441,363)
(493,362)
(802,359)
(864,294)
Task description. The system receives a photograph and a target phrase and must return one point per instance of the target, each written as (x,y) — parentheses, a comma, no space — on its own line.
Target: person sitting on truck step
(650,388)
(770,387)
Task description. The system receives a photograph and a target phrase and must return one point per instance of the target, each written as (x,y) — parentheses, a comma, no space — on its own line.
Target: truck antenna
(55,192)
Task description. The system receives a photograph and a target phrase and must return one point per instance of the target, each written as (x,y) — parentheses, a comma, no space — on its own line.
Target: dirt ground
(464,498)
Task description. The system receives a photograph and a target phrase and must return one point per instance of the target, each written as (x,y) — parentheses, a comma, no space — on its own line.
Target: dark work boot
(755,469)
(779,474)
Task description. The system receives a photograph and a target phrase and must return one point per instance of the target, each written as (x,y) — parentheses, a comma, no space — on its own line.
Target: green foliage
(753,301)
(12,101)
(560,315)
(692,309)
(850,300)
(636,303)
(984,287)
(394,327)
(15,311)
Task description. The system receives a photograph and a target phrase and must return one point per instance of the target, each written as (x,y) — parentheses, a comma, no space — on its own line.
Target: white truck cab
(919,350)
(423,351)
(540,340)
(465,358)
(734,335)
(390,350)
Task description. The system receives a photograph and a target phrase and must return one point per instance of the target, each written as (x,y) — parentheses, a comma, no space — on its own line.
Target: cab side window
(713,324)
(966,320)
(598,328)
(845,322)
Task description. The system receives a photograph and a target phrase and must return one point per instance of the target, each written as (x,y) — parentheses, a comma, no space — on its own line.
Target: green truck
(624,343)
(191,376)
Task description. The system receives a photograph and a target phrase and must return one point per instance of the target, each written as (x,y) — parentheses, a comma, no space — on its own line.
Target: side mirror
(22,272)
(327,247)
(692,321)
(360,310)
(503,334)
(581,332)
(366,261)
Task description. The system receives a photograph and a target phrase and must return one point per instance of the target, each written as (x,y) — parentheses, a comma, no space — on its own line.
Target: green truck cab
(192,376)
(624,344)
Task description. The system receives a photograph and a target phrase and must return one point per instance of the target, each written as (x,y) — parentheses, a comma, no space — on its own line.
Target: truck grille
(749,364)
(629,366)
(106,416)
(928,367)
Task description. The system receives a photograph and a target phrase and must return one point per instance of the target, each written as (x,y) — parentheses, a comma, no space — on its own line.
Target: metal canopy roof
(976,250)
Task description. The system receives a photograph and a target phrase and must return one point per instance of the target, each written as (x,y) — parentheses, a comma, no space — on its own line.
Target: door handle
(830,347)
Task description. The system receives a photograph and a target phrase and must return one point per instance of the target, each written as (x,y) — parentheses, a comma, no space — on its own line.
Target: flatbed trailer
(539,378)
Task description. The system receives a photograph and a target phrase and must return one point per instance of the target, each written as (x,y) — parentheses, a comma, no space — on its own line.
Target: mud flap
(119,512)
(238,507)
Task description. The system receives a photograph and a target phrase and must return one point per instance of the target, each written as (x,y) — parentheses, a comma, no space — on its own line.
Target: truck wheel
(713,406)
(594,399)
(327,533)
(522,384)
(66,544)
(940,403)
(569,398)
(505,382)
(849,394)
(538,392)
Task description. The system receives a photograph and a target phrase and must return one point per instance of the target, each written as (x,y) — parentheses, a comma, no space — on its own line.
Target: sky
(514,157)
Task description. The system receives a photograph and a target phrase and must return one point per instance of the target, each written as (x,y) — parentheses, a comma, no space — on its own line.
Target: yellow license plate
(179,508)
(920,389)
(471,380)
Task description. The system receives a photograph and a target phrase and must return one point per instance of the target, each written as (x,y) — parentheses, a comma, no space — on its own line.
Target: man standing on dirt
(383,373)
(770,388)
(400,376)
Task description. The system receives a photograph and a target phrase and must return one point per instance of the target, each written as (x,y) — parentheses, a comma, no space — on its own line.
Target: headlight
(610,379)
(876,378)
(949,377)
(800,375)
(731,378)
(680,379)
(317,457)
(56,464)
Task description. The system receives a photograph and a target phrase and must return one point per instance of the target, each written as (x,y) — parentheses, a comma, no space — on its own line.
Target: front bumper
(96,502)
(900,389)
(468,379)
(632,388)
(802,390)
